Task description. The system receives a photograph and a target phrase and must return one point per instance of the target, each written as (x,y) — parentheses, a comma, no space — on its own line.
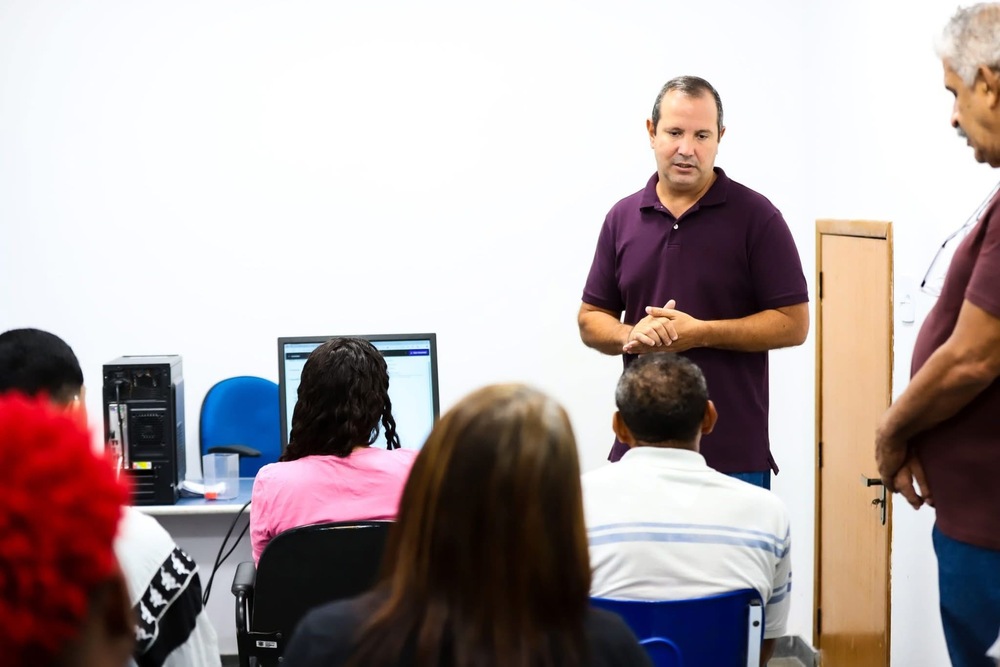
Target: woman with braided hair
(63,599)
(329,471)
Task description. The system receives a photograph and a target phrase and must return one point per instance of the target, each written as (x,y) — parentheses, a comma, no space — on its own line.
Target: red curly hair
(60,505)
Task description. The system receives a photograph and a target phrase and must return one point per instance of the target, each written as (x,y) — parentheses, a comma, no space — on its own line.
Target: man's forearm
(766,330)
(602,331)
(940,389)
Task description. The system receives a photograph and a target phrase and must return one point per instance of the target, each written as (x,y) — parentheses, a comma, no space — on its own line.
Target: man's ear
(708,421)
(622,431)
(990,81)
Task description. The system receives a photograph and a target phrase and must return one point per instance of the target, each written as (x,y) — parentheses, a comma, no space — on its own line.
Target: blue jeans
(969,588)
(761,479)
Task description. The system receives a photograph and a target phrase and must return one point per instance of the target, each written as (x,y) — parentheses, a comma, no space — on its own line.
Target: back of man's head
(662,398)
(36,362)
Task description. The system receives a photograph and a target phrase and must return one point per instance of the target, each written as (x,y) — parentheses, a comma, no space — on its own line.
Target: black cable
(219,558)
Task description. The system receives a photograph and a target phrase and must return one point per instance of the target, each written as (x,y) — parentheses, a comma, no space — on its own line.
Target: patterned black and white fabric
(172,628)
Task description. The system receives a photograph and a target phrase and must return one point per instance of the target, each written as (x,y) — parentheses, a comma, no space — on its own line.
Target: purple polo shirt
(730,255)
(961,455)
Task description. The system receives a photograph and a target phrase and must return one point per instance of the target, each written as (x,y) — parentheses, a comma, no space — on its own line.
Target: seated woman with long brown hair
(329,471)
(487,564)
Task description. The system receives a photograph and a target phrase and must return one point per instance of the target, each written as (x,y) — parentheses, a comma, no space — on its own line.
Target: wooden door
(853,377)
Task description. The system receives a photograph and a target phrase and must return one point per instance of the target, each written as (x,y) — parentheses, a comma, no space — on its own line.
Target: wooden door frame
(863,229)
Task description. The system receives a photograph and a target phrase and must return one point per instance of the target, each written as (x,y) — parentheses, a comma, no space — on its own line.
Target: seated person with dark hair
(329,471)
(488,562)
(702,532)
(64,601)
(165,590)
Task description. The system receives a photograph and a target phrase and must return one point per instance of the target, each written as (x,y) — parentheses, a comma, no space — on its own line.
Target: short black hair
(662,397)
(36,362)
(343,397)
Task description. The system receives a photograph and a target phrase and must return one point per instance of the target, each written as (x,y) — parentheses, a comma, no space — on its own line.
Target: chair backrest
(307,566)
(723,630)
(242,411)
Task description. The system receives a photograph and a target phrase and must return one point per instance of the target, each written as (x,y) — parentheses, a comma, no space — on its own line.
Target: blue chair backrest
(723,630)
(243,411)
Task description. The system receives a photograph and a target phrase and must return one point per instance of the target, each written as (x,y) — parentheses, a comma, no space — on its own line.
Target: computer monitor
(413,381)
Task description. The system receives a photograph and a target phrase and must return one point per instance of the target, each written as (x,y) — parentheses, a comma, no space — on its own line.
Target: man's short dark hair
(691,86)
(662,397)
(36,362)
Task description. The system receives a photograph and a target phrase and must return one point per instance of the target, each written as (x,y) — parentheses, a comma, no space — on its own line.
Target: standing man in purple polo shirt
(703,266)
(944,430)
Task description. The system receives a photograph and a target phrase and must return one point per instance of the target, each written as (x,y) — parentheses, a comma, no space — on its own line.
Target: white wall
(203,177)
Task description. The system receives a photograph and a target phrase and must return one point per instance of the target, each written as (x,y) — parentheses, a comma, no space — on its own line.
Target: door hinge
(820,454)
(821,285)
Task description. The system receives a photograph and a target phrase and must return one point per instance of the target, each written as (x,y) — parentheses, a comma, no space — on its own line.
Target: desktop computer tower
(144,424)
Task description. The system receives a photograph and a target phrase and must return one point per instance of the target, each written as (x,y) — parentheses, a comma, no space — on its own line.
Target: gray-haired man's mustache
(961,132)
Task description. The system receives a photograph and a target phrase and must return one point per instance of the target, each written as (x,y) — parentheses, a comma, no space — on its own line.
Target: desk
(198,505)
(198,526)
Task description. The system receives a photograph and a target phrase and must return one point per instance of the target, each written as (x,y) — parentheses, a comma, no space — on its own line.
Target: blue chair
(723,630)
(240,414)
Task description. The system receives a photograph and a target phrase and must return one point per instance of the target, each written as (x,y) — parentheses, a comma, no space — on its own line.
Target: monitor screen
(413,382)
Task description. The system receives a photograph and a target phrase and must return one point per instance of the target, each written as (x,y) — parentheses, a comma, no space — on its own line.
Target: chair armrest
(243,584)
(755,632)
(242,450)
(245,577)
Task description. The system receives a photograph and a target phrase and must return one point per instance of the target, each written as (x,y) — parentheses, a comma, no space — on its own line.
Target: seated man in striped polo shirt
(662,525)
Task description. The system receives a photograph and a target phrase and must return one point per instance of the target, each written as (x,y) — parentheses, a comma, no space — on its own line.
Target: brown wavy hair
(487,564)
(343,398)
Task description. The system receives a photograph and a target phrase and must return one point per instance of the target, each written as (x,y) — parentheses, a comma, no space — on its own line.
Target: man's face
(685,141)
(974,114)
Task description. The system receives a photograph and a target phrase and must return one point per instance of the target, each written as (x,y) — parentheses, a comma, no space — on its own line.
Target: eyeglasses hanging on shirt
(934,278)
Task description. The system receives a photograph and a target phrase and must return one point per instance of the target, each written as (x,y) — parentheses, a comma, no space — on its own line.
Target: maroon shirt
(961,456)
(730,255)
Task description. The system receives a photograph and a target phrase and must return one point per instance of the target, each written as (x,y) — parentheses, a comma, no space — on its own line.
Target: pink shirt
(364,486)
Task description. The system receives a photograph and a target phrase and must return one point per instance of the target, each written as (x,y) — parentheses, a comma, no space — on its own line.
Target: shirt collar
(666,457)
(716,193)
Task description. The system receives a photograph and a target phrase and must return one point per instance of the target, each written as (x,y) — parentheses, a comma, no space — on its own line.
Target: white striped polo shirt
(662,525)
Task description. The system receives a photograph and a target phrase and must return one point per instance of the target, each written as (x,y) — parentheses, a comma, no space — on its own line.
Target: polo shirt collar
(666,457)
(715,195)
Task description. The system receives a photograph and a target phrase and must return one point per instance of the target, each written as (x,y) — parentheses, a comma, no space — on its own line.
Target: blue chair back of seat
(243,411)
(723,630)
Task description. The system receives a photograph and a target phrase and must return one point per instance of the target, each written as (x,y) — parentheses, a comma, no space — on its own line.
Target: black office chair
(299,569)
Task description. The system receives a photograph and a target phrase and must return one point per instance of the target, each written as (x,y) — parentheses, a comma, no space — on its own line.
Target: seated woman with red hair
(63,600)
